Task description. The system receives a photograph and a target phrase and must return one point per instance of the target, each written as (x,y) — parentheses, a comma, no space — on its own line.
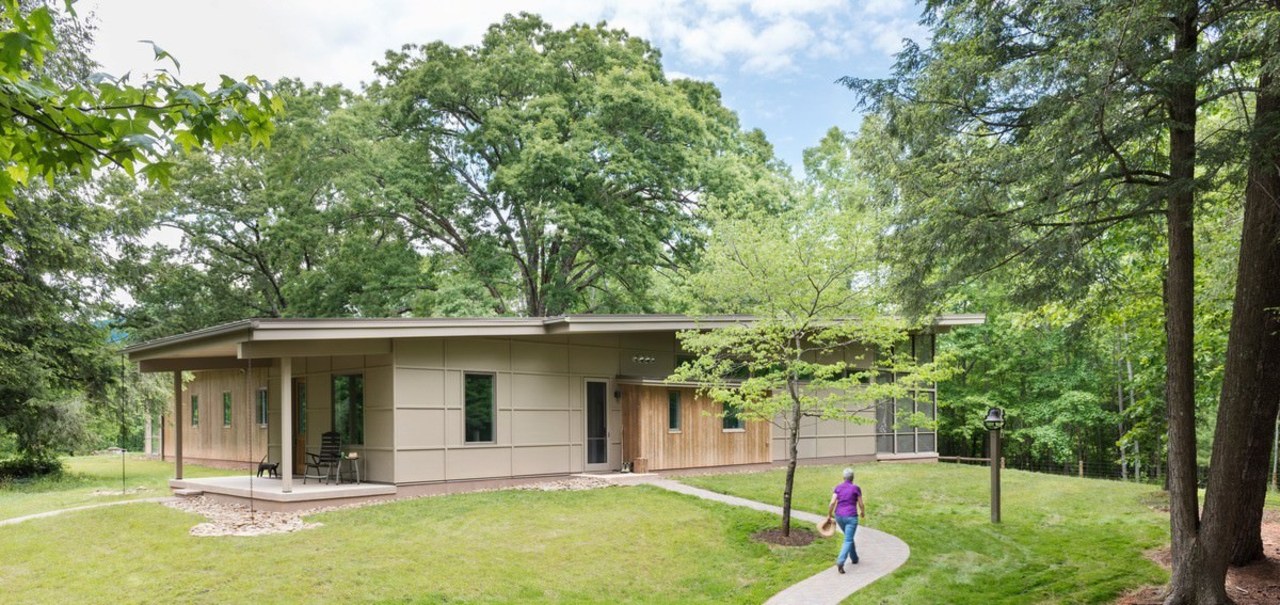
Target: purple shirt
(847,495)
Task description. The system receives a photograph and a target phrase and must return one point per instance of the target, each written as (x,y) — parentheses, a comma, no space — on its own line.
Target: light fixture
(994,420)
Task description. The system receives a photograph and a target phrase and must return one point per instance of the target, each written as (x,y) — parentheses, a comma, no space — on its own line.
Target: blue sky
(775,61)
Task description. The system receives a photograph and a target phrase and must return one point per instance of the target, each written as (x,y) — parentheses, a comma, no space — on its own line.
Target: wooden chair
(326,462)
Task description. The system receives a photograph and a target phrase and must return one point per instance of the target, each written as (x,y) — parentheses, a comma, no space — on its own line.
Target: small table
(353,463)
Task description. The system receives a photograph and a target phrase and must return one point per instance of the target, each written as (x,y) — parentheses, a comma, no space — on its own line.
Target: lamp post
(994,422)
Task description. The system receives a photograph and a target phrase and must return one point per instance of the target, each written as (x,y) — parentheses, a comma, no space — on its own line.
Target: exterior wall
(540,423)
(210,441)
(701,440)
(242,442)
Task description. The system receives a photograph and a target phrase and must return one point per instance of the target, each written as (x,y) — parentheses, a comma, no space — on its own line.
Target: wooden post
(177,424)
(995,476)
(146,436)
(286,424)
(1080,463)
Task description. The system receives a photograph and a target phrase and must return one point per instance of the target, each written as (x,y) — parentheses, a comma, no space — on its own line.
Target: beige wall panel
(539,427)
(319,364)
(530,391)
(419,465)
(378,383)
(634,362)
(593,361)
(828,428)
(829,446)
(319,407)
(576,427)
(808,427)
(453,427)
(858,429)
(860,356)
(806,448)
(374,361)
(577,458)
(478,354)
(540,460)
(502,401)
(419,352)
(378,465)
(477,462)
(594,340)
(347,362)
(649,341)
(419,428)
(379,427)
(860,445)
(453,390)
(536,357)
(419,388)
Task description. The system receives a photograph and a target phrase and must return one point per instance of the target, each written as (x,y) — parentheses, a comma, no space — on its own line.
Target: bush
(26,468)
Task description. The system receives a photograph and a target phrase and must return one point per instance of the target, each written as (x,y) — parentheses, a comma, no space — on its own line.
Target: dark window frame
(263,403)
(467,427)
(674,409)
(353,432)
(731,421)
(195,410)
(228,401)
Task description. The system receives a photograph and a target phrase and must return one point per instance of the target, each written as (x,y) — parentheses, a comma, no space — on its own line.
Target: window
(262,407)
(673,411)
(300,399)
(226,409)
(195,410)
(348,408)
(922,346)
(731,420)
(478,400)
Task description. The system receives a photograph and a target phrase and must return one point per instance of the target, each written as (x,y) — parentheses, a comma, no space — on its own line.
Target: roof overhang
(226,345)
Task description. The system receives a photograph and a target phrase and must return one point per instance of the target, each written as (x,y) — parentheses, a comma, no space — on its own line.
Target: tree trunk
(793,450)
(1251,379)
(1189,564)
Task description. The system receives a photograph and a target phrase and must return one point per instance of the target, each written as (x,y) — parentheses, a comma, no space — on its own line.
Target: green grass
(85,475)
(1062,540)
(613,545)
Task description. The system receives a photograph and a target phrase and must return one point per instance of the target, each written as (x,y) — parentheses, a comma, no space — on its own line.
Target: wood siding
(244,441)
(701,440)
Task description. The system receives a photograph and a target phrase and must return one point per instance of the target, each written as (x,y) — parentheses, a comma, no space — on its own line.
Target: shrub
(26,468)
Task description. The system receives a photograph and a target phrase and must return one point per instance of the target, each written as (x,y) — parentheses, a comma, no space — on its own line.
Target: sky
(775,61)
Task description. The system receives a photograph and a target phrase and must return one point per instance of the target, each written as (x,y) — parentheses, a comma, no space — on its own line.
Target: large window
(195,410)
(673,411)
(478,404)
(732,422)
(896,433)
(262,407)
(348,408)
(226,409)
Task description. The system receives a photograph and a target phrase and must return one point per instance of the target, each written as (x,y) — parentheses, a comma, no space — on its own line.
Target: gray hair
(848,474)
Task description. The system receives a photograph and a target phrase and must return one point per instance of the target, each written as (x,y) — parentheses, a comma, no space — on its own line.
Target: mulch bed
(1255,584)
(798,537)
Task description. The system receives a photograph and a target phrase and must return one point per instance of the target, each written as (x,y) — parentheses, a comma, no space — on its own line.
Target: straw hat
(827,527)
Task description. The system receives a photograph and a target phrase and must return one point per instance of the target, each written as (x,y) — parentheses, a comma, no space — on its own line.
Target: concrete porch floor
(267,494)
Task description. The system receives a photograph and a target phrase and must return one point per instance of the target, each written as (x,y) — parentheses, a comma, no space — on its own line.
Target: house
(434,401)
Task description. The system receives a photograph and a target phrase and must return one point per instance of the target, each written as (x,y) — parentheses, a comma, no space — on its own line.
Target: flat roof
(223,340)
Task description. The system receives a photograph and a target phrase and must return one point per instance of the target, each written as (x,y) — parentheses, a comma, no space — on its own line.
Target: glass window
(673,410)
(478,401)
(884,444)
(348,408)
(731,419)
(906,444)
(927,442)
(922,345)
(195,410)
(226,409)
(262,406)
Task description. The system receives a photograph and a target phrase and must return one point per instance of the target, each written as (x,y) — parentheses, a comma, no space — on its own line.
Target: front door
(299,425)
(597,425)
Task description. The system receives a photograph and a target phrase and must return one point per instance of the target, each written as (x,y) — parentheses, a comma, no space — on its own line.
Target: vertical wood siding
(701,440)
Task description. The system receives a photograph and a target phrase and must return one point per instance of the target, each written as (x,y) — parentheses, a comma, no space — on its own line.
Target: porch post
(177,424)
(286,424)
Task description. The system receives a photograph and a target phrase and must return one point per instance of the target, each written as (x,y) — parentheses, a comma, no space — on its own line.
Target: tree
(816,344)
(553,165)
(52,123)
(1037,152)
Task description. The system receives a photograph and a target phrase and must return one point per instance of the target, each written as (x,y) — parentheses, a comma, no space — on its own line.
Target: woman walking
(846,505)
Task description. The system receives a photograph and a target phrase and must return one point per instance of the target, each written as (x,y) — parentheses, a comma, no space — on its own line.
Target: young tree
(816,343)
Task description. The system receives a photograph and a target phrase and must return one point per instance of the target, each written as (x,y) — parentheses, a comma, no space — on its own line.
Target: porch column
(286,424)
(177,424)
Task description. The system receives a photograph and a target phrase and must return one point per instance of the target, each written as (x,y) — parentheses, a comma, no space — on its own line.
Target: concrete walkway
(54,513)
(879,553)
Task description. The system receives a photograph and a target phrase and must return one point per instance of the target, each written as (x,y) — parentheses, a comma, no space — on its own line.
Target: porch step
(188,492)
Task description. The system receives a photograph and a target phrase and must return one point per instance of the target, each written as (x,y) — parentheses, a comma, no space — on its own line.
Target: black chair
(326,462)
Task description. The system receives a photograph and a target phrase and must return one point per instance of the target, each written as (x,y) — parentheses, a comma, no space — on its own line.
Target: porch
(269,494)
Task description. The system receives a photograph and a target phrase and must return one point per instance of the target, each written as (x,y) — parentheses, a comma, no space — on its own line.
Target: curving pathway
(53,513)
(879,553)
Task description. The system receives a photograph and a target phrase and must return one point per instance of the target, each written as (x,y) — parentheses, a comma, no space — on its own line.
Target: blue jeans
(849,525)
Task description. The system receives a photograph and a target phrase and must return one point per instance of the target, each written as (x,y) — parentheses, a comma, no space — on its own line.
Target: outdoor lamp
(994,422)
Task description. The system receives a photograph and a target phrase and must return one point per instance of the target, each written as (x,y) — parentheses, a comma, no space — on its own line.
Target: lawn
(611,545)
(1062,540)
(86,475)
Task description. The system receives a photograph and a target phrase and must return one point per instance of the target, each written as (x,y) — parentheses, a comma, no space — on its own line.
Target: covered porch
(270,494)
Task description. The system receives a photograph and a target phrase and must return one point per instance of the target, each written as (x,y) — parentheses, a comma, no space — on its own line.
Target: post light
(994,422)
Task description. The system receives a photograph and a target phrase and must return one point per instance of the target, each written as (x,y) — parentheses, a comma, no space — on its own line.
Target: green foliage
(556,168)
(52,126)
(26,468)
